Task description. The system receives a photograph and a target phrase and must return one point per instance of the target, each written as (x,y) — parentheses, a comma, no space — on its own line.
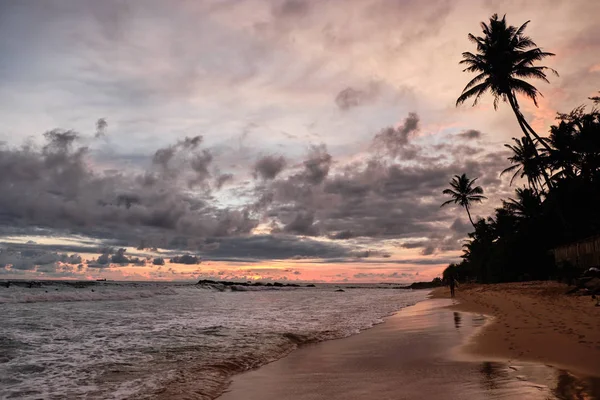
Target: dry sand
(533,321)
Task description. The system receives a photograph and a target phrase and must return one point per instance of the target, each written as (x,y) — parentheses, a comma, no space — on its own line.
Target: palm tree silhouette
(505,56)
(463,193)
(524,163)
(526,205)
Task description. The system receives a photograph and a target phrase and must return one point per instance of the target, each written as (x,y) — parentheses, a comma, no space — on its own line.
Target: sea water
(117,340)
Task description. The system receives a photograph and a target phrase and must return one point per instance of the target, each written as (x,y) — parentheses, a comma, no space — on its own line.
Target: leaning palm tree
(463,193)
(505,56)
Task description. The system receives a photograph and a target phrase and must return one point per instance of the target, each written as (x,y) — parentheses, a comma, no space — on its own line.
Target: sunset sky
(274,140)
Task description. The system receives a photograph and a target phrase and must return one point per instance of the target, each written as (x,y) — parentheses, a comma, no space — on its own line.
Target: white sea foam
(139,338)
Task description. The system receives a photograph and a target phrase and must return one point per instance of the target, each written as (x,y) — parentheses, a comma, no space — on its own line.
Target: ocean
(122,340)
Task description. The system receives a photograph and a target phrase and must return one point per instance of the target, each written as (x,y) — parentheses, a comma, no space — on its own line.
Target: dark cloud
(428,250)
(461,226)
(351,97)
(158,261)
(101,126)
(379,197)
(54,187)
(278,247)
(470,134)
(111,257)
(222,179)
(393,140)
(342,235)
(368,199)
(413,245)
(29,258)
(302,224)
(200,164)
(186,259)
(316,166)
(291,8)
(369,253)
(119,257)
(268,167)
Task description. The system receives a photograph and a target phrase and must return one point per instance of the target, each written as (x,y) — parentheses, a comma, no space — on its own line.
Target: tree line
(560,200)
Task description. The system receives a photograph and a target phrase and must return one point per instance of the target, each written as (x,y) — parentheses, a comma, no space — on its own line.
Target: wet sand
(413,355)
(534,321)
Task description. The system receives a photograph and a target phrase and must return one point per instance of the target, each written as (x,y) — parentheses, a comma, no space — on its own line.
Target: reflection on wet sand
(569,387)
(555,384)
(457,319)
(411,356)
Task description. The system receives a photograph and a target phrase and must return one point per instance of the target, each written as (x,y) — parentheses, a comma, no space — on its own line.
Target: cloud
(291,8)
(268,167)
(302,224)
(29,258)
(393,140)
(55,187)
(316,166)
(380,198)
(222,179)
(101,126)
(351,97)
(278,247)
(186,259)
(470,134)
(158,261)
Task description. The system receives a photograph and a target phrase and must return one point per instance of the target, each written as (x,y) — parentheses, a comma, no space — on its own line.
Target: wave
(217,287)
(50,295)
(216,376)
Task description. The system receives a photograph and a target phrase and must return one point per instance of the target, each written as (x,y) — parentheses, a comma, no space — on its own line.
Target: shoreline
(184,388)
(532,321)
(415,353)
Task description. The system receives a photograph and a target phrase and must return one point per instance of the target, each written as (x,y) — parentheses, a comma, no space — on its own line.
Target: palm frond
(476,91)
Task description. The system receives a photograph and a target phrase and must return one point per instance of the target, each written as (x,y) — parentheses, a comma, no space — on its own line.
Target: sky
(290,140)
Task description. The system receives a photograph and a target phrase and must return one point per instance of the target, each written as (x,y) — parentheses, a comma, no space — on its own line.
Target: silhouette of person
(452,282)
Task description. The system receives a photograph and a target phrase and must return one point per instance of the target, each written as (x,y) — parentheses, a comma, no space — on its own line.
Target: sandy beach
(438,349)
(534,321)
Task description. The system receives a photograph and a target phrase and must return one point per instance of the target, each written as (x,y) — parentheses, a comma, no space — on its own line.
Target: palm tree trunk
(543,142)
(470,219)
(521,120)
(533,185)
(515,106)
(523,123)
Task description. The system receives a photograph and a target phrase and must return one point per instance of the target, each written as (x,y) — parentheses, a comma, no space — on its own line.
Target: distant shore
(533,321)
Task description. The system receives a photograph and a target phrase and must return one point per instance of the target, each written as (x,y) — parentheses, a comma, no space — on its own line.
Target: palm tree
(463,193)
(524,162)
(527,204)
(504,57)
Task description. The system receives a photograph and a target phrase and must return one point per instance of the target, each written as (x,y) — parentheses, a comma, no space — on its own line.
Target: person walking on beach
(452,283)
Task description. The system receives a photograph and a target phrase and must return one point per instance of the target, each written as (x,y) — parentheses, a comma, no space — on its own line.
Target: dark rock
(422,285)
(340,290)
